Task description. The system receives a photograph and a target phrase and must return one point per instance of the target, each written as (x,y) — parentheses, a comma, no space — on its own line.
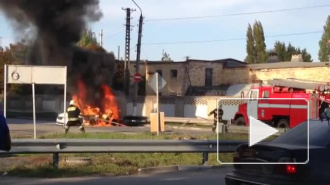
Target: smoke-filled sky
(219,28)
(57,27)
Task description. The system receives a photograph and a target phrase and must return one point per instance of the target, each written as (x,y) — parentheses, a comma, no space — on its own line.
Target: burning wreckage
(55,27)
(106,114)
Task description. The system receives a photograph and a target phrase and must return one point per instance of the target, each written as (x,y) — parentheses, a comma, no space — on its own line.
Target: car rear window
(319,134)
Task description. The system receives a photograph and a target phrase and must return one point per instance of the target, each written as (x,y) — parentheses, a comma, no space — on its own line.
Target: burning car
(60,119)
(103,111)
(92,120)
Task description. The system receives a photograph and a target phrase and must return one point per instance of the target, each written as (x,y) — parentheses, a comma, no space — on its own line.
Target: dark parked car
(5,141)
(289,147)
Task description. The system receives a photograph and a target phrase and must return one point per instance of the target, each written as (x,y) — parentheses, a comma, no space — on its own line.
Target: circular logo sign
(15,76)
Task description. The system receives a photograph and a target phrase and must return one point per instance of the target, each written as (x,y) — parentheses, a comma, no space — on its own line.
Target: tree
(291,50)
(306,56)
(250,48)
(166,57)
(255,46)
(16,53)
(260,46)
(284,53)
(88,39)
(324,42)
(280,50)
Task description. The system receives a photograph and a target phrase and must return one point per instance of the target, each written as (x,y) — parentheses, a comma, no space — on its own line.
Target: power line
(231,39)
(236,14)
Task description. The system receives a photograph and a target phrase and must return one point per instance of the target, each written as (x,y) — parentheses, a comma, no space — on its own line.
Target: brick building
(213,77)
(197,77)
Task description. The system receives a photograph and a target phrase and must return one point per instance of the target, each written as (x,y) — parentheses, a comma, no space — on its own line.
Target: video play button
(259,131)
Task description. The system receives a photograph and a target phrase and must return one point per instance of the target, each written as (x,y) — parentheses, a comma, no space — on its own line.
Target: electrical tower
(127,50)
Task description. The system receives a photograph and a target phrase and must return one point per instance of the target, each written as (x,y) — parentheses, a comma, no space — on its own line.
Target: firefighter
(322,107)
(217,115)
(74,115)
(326,114)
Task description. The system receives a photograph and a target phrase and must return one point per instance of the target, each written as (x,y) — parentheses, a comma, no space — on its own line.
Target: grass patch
(32,165)
(101,164)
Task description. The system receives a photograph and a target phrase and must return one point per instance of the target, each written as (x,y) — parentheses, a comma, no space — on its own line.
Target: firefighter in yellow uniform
(217,117)
(74,114)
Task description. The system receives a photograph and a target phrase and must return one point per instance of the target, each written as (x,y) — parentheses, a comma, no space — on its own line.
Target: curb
(185,128)
(170,128)
(188,168)
(158,170)
(178,168)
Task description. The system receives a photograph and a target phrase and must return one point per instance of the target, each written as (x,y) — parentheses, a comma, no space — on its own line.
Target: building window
(174,73)
(265,94)
(159,72)
(208,77)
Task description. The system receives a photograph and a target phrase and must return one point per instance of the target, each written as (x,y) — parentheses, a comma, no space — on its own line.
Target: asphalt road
(24,128)
(209,177)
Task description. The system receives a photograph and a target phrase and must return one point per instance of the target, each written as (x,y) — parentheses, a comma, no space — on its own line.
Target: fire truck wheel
(240,121)
(282,123)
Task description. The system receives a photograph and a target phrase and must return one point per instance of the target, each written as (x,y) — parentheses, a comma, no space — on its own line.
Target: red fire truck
(300,100)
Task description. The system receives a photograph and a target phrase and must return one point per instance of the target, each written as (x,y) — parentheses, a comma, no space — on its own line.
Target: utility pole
(118,55)
(101,38)
(1,48)
(137,65)
(127,50)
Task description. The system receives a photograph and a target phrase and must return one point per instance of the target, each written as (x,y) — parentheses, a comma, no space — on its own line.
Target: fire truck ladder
(298,83)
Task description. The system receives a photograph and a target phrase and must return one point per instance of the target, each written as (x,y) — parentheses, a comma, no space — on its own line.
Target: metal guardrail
(57,146)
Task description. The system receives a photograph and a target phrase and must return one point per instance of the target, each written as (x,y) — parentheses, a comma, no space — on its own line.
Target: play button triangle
(259,131)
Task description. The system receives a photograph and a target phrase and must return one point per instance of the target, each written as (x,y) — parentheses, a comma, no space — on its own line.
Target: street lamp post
(137,65)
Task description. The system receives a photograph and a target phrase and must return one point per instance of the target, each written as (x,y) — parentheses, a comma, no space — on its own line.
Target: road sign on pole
(157,84)
(137,77)
(157,87)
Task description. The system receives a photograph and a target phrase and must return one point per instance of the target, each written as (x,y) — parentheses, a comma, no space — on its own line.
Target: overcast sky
(228,33)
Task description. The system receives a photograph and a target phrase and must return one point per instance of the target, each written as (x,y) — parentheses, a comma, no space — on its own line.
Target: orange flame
(102,116)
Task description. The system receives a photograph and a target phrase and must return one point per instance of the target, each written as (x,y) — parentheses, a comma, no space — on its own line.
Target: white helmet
(72,102)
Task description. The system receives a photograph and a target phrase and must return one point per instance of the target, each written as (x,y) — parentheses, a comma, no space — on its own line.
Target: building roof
(278,65)
(227,63)
(233,63)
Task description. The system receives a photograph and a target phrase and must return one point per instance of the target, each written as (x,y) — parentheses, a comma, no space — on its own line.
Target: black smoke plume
(57,26)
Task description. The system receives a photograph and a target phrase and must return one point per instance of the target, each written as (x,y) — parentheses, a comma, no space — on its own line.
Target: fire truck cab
(282,105)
